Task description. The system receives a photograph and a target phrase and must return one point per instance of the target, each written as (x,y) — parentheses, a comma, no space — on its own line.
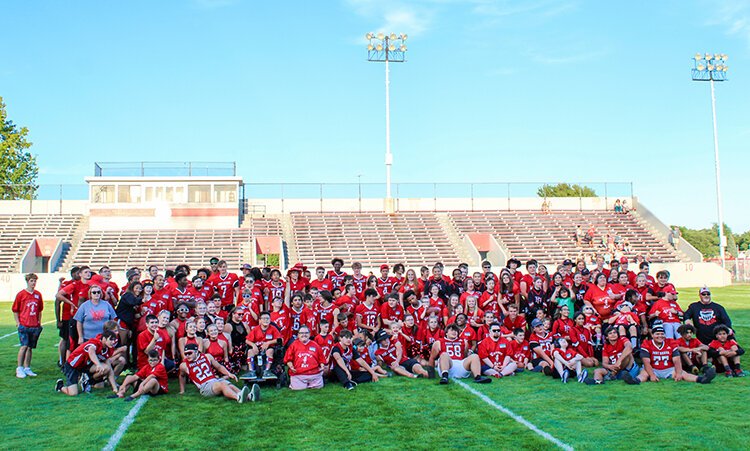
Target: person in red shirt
(322,283)
(563,325)
(367,313)
(521,350)
(617,358)
(496,354)
(226,284)
(183,292)
(411,283)
(567,359)
(542,344)
(305,361)
(64,309)
(300,315)
(27,311)
(385,283)
(199,368)
(359,281)
(275,288)
(152,378)
(527,281)
(669,312)
(427,335)
(326,340)
(263,338)
(281,320)
(454,360)
(87,359)
(694,353)
(599,296)
(725,351)
(336,275)
(203,291)
(154,338)
(391,311)
(661,360)
(391,354)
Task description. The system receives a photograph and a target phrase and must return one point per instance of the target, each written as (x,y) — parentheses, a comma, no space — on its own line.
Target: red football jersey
(369,314)
(385,286)
(614,351)
(390,313)
(521,351)
(563,327)
(304,317)
(225,286)
(660,356)
(200,370)
(545,341)
(322,285)
(582,341)
(29,307)
(456,349)
(283,323)
(716,344)
(337,279)
(360,285)
(326,343)
(389,355)
(79,358)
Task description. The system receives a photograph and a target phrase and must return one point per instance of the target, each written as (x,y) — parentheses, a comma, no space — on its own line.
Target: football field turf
(526,411)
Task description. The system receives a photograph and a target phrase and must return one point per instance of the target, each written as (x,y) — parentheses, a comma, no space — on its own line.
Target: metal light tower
(383,48)
(713,68)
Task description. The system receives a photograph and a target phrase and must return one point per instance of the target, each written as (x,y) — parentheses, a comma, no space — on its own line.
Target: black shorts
(65,329)
(536,361)
(409,364)
(71,374)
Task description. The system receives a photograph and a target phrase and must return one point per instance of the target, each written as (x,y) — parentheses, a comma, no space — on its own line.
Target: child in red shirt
(725,350)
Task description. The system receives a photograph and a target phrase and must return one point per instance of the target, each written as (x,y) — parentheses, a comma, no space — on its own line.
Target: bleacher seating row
(17,231)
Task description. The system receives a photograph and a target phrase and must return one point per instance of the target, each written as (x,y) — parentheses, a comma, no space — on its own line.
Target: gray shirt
(92,317)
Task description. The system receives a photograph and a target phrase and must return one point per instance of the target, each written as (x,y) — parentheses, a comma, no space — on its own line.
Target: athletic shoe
(695,370)
(268,374)
(349,385)
(20,373)
(444,380)
(128,398)
(59,384)
(629,379)
(112,396)
(243,394)
(707,377)
(739,373)
(591,381)
(85,383)
(582,377)
(254,395)
(565,375)
(29,372)
(547,371)
(482,380)
(728,374)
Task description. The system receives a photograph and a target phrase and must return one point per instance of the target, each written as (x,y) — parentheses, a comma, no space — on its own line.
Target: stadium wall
(682,275)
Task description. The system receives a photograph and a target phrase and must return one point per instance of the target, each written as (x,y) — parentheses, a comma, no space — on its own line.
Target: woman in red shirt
(599,296)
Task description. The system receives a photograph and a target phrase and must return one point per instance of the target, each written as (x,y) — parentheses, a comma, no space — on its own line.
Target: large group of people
(212,326)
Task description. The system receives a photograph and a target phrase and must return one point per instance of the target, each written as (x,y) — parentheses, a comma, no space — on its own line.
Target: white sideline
(125,424)
(16,333)
(515,416)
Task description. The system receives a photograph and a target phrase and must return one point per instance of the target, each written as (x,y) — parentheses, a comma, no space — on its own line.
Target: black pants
(357,376)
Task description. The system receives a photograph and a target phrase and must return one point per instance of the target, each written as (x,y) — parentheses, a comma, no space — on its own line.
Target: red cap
(623,259)
(384,266)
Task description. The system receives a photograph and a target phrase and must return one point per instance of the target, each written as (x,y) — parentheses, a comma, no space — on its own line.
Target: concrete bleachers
(122,249)
(372,239)
(260,226)
(550,238)
(17,231)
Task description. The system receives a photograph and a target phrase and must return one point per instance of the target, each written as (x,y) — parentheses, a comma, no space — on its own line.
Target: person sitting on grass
(661,360)
(521,350)
(617,358)
(149,380)
(391,353)
(84,365)
(27,311)
(306,361)
(342,355)
(454,360)
(724,351)
(583,341)
(262,338)
(567,360)
(496,353)
(541,343)
(199,368)
(694,354)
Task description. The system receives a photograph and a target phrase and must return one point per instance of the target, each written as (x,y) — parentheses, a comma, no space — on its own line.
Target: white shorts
(457,370)
(207,388)
(664,374)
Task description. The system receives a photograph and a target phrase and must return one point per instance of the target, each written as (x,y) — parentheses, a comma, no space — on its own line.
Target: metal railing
(165,169)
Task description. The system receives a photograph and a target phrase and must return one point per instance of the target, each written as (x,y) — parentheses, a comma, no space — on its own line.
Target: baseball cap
(191,347)
(585,272)
(623,304)
(384,266)
(537,322)
(214,260)
(657,328)
(381,335)
(246,266)
(623,259)
(704,290)
(567,262)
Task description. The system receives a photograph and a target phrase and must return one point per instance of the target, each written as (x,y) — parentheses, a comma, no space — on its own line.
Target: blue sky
(493,91)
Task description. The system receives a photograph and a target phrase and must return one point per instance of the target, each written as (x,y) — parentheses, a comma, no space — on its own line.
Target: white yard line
(125,424)
(16,332)
(515,416)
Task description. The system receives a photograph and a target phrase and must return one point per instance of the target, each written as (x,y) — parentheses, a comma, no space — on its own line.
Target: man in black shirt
(705,315)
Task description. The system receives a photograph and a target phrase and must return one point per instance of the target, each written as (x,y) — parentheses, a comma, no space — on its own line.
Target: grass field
(392,413)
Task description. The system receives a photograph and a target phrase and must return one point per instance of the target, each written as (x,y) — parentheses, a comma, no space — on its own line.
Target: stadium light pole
(713,68)
(387,48)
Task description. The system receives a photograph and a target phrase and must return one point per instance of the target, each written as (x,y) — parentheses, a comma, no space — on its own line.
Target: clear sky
(493,91)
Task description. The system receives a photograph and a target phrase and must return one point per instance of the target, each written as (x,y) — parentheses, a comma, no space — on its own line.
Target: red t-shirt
(568,354)
(582,341)
(661,357)
(283,323)
(512,324)
(521,351)
(258,336)
(29,307)
(716,344)
(158,371)
(306,358)
(162,345)
(326,343)
(664,307)
(79,358)
(600,300)
(391,313)
(494,350)
(563,327)
(224,286)
(322,285)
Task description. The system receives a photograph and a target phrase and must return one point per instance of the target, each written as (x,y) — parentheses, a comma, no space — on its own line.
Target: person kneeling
(200,369)
(151,379)
(453,359)
(83,364)
(305,360)
(661,360)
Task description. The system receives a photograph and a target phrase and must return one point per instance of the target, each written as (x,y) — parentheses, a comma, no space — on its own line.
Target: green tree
(743,240)
(707,240)
(565,190)
(18,167)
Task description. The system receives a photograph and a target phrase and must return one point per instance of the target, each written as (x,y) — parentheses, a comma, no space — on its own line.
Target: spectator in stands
(674,237)
(625,207)
(92,314)
(27,311)
(545,207)
(618,206)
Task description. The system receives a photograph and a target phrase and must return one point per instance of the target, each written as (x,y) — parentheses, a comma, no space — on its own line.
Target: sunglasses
(494,331)
(706,294)
(189,352)
(96,292)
